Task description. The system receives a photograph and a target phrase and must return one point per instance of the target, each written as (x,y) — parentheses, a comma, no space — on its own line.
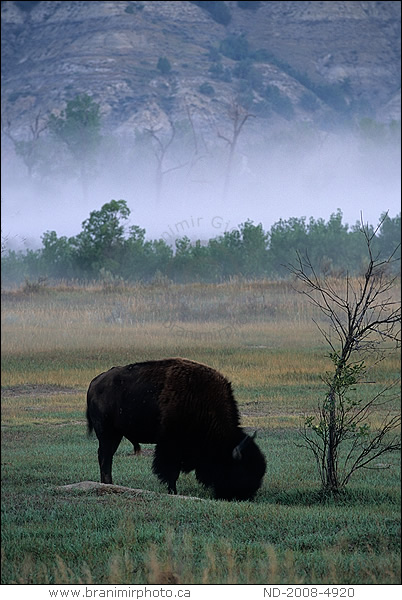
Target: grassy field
(261,336)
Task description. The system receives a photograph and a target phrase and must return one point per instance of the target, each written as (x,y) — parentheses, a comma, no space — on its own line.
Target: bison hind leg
(108,445)
(166,466)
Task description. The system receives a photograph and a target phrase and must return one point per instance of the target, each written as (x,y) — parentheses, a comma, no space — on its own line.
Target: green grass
(52,346)
(288,531)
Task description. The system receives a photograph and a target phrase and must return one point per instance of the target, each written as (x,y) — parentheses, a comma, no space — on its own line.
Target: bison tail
(90,426)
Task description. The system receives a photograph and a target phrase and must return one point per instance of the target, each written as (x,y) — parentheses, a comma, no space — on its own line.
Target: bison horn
(237,451)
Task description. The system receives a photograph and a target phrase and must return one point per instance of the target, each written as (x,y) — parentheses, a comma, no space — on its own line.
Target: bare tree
(160,147)
(27,149)
(238,115)
(198,139)
(363,327)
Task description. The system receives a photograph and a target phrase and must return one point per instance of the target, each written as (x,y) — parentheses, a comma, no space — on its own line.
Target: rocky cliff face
(321,62)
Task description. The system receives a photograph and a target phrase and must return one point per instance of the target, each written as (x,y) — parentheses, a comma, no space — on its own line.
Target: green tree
(235,47)
(286,237)
(78,127)
(389,237)
(13,267)
(206,89)
(327,244)
(217,9)
(331,246)
(58,255)
(254,249)
(158,257)
(26,6)
(249,5)
(142,258)
(100,245)
(164,65)
(226,251)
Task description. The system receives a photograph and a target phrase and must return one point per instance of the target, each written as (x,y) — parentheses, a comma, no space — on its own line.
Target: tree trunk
(332,483)
(228,174)
(158,185)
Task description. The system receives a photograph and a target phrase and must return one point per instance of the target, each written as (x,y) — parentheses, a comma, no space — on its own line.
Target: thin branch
(362,319)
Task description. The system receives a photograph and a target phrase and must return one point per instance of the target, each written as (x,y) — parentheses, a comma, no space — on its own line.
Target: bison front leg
(166,466)
(172,489)
(106,450)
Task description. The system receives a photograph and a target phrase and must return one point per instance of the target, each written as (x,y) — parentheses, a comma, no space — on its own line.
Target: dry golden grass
(40,406)
(259,334)
(196,312)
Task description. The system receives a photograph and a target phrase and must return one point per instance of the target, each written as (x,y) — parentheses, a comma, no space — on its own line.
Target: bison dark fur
(188,410)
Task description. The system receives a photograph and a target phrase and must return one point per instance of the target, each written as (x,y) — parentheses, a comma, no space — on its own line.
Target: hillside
(320,82)
(328,63)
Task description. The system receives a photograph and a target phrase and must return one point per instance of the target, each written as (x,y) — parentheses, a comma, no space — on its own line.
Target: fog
(270,180)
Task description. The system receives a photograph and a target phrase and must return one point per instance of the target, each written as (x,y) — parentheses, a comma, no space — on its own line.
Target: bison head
(239,475)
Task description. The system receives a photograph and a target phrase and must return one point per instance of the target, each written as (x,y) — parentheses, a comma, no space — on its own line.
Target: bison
(188,410)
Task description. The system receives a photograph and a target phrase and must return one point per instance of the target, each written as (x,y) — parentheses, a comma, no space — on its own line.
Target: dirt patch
(255,409)
(37,390)
(104,488)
